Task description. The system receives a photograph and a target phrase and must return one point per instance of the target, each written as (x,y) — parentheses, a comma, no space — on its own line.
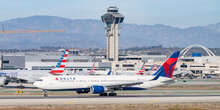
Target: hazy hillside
(91,33)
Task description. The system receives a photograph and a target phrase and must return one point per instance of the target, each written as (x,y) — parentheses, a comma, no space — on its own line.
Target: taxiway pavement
(121,99)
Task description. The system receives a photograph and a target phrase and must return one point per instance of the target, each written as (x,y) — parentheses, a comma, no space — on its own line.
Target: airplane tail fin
(153,67)
(109,73)
(61,64)
(166,70)
(142,69)
(93,69)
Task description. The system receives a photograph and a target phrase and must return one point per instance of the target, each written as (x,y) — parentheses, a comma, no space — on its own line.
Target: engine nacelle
(96,89)
(81,91)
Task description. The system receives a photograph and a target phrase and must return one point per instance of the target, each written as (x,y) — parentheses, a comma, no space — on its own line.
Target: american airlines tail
(61,64)
(166,70)
(93,69)
(142,69)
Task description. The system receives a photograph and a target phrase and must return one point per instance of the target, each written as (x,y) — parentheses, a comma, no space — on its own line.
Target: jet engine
(80,91)
(96,89)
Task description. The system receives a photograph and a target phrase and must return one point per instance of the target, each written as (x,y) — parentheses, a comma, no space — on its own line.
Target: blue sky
(180,13)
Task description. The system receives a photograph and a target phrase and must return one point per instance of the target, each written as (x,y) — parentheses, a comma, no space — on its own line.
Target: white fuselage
(86,81)
(2,81)
(29,75)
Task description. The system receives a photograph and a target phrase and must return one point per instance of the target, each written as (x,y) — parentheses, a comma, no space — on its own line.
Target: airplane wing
(121,85)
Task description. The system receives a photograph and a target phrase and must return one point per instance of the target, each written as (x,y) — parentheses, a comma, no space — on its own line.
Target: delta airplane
(107,85)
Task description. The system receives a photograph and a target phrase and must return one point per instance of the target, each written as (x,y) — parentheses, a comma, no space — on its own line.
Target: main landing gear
(112,94)
(108,94)
(45,93)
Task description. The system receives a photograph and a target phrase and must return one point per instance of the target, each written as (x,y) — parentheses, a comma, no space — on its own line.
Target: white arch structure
(185,50)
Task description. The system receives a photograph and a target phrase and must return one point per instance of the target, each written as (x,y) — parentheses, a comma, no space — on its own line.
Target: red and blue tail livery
(166,70)
(154,67)
(61,64)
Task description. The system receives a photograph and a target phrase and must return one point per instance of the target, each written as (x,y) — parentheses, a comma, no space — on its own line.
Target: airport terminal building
(75,63)
(196,64)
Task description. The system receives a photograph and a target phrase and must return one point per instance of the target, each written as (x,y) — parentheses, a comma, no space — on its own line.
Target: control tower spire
(112,19)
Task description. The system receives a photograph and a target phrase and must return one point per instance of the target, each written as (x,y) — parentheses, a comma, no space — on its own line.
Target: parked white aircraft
(106,85)
(3,81)
(23,76)
(30,76)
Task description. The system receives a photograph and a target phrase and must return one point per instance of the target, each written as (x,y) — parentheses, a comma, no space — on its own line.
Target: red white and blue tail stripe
(93,69)
(142,69)
(61,64)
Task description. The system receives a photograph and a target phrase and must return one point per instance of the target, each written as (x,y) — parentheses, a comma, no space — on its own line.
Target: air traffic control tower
(112,19)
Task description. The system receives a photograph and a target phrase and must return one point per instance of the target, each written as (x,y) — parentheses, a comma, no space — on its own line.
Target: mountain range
(88,33)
